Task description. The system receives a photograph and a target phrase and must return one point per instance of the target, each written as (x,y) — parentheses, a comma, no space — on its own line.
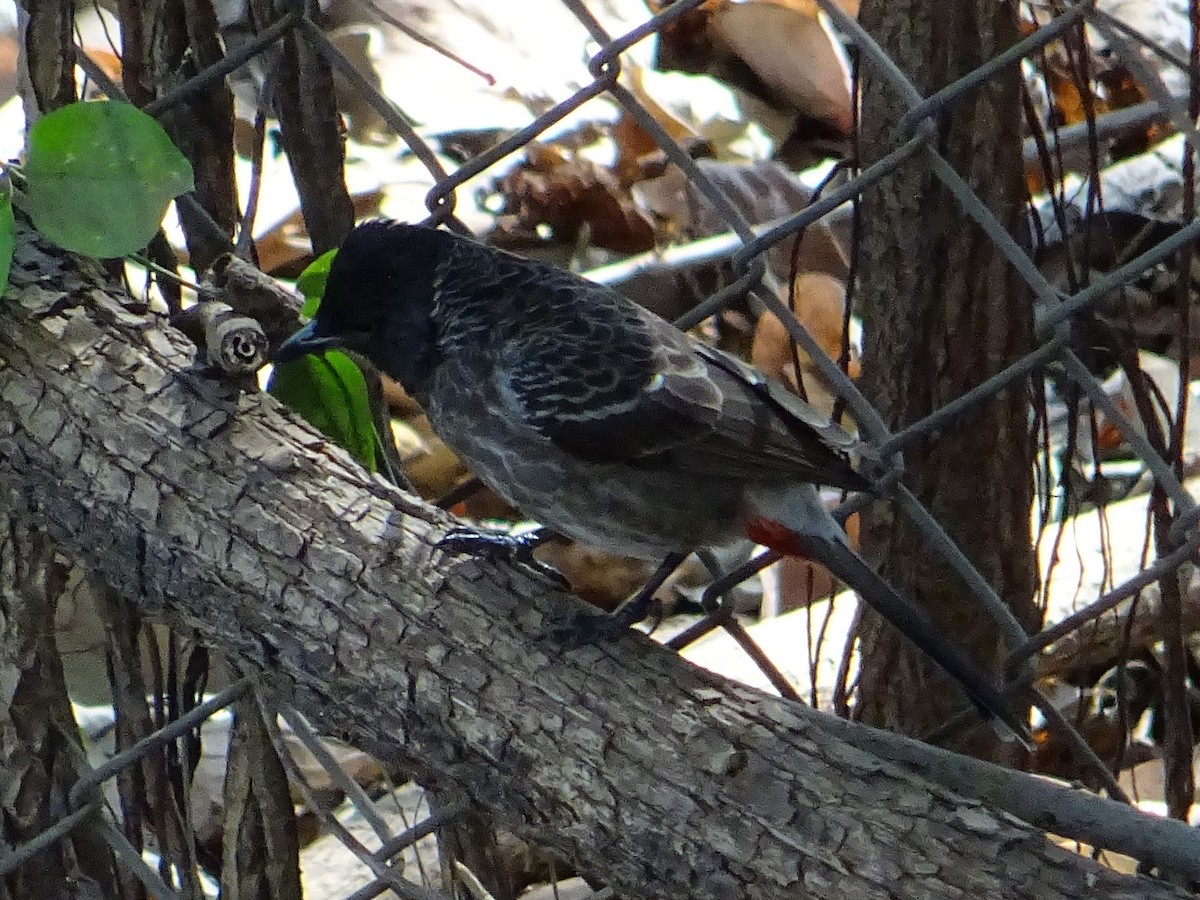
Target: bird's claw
(582,629)
(513,548)
(589,628)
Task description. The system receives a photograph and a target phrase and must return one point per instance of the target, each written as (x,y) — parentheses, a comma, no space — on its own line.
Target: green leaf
(311,283)
(6,238)
(329,391)
(99,176)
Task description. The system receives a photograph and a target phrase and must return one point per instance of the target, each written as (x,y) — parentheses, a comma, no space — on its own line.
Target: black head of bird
(379,298)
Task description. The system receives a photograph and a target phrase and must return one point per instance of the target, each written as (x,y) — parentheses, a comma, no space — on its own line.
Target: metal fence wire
(744,247)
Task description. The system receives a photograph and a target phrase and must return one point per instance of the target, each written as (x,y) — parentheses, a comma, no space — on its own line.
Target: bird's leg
(514,548)
(714,602)
(637,607)
(459,493)
(588,628)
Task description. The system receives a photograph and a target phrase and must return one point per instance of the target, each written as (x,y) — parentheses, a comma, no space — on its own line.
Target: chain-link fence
(1057,362)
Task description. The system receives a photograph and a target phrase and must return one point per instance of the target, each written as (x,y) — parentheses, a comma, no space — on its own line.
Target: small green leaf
(6,238)
(330,392)
(311,283)
(99,176)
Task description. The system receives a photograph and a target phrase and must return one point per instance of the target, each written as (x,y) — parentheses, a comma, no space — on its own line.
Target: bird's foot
(589,628)
(512,548)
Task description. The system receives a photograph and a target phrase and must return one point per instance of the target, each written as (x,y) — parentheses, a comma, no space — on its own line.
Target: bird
(601,420)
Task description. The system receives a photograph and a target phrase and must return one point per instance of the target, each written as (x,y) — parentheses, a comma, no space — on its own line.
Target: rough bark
(942,311)
(218,512)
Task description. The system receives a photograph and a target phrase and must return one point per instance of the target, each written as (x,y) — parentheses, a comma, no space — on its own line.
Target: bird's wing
(602,386)
(631,388)
(786,436)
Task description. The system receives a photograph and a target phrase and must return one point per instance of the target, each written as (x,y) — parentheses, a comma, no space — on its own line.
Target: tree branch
(216,511)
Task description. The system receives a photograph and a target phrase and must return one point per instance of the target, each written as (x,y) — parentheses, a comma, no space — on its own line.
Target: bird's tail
(812,533)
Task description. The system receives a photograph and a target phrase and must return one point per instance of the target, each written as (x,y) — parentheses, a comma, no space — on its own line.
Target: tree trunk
(942,310)
(218,512)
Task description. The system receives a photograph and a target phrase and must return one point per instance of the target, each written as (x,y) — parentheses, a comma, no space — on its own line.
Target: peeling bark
(218,512)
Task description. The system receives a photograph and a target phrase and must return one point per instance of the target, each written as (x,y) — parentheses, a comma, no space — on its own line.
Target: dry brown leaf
(566,192)
(761,192)
(634,143)
(487,504)
(792,52)
(284,248)
(1104,734)
(820,308)
(108,62)
(782,59)
(9,52)
(398,399)
(601,578)
(1071,105)
(436,471)
(365,124)
(1110,86)
(409,443)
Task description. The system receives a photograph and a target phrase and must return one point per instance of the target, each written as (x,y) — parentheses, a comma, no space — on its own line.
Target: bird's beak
(307,340)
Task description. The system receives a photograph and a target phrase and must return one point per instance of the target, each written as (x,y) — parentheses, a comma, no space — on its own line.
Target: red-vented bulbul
(600,419)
